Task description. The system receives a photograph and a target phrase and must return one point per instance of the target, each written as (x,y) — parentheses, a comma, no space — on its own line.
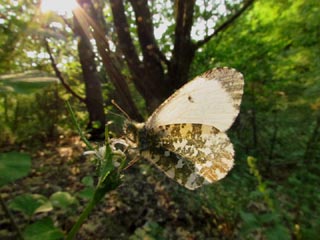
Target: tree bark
(94,99)
(148,73)
(123,95)
(184,50)
(153,75)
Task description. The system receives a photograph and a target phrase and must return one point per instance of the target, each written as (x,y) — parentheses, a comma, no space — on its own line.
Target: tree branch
(148,74)
(125,42)
(59,75)
(11,218)
(123,32)
(183,51)
(146,36)
(226,24)
(184,19)
(110,64)
(152,56)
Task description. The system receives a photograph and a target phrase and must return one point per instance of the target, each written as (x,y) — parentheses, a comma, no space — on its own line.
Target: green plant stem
(109,179)
(9,215)
(81,219)
(75,122)
(98,195)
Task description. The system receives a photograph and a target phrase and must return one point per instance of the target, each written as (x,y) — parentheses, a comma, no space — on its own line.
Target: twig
(59,75)
(226,24)
(11,218)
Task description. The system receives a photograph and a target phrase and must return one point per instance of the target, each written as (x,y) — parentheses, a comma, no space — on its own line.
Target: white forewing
(212,99)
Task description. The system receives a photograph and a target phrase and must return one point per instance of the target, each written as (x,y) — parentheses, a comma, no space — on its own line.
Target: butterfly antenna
(117,114)
(120,109)
(131,163)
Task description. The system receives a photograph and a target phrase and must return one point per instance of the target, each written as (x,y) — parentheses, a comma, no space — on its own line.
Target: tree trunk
(154,76)
(109,60)
(94,99)
(184,50)
(148,73)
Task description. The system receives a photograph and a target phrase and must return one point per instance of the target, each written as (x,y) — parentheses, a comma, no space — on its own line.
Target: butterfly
(185,136)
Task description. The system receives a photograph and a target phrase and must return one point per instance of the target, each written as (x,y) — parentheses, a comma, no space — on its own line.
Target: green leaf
(13,165)
(42,229)
(86,193)
(27,82)
(30,204)
(87,181)
(249,218)
(106,165)
(268,217)
(250,222)
(310,233)
(62,200)
(278,232)
(150,231)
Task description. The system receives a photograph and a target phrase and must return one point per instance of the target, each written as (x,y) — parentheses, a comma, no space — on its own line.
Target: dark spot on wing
(190,99)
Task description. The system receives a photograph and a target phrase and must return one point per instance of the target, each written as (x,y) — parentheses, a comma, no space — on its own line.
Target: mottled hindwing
(192,154)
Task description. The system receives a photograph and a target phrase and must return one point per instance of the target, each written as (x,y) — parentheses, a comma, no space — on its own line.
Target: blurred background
(138,53)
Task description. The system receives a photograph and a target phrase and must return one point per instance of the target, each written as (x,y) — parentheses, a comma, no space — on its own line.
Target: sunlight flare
(62,7)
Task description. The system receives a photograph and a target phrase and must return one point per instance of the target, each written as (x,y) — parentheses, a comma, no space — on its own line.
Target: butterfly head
(140,135)
(132,129)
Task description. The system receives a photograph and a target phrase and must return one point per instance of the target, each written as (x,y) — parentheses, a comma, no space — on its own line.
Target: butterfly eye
(132,130)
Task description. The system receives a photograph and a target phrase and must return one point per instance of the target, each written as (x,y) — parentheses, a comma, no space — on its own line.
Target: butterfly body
(185,136)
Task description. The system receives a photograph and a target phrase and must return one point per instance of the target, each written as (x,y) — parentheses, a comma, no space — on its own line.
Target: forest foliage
(272,192)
